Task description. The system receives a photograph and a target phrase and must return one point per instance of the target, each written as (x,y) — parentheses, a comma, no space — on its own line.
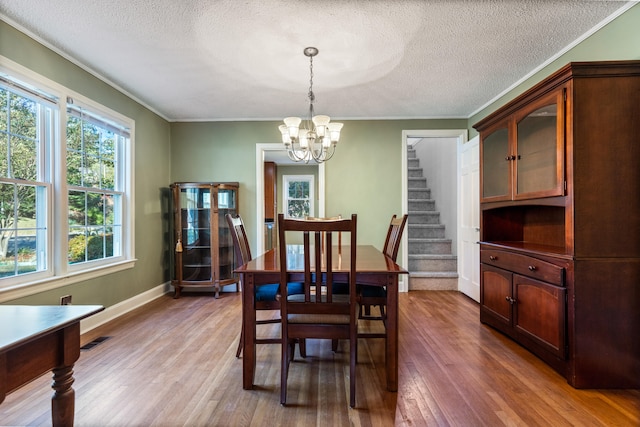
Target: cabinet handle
(532,268)
(510,300)
(492,258)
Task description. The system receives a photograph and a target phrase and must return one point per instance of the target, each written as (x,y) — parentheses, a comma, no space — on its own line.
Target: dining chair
(267,297)
(318,313)
(368,295)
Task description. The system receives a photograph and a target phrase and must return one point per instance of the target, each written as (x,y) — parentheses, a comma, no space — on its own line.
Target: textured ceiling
(242,60)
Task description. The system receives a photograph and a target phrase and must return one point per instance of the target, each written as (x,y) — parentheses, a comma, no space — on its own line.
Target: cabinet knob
(510,300)
(492,258)
(532,268)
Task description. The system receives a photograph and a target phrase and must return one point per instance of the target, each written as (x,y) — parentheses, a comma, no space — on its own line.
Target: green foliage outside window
(19,155)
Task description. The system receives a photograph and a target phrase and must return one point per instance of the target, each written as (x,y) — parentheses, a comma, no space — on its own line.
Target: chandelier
(318,137)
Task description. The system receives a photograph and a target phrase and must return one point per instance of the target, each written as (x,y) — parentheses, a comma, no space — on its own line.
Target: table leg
(249,327)
(63,400)
(392,333)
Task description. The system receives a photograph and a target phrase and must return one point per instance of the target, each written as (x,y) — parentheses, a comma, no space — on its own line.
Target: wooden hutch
(560,222)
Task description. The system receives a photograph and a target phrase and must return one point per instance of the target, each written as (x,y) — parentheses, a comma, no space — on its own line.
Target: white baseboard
(115,311)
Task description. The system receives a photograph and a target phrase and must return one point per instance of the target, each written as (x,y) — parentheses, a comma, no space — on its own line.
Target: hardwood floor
(172,363)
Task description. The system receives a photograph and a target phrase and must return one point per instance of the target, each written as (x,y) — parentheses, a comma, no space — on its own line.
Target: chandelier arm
(333,150)
(324,154)
(291,152)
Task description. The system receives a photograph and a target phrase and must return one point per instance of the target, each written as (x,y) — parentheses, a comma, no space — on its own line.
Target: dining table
(373,267)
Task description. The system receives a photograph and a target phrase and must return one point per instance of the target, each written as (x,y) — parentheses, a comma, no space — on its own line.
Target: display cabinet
(204,255)
(560,222)
(524,153)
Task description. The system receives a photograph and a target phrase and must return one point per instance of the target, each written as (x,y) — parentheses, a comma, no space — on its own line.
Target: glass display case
(204,255)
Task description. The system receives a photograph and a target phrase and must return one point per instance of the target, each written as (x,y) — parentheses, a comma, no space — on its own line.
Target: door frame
(260,152)
(461,135)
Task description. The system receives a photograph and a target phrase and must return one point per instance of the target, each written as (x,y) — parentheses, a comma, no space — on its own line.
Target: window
(24,183)
(65,184)
(298,195)
(94,187)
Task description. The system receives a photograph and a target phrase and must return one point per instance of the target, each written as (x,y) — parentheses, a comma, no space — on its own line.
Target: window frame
(286,181)
(59,272)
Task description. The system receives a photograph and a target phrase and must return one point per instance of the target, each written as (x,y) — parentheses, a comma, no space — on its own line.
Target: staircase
(432,266)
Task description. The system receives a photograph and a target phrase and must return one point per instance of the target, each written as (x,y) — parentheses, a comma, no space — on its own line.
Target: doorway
(274,152)
(457,136)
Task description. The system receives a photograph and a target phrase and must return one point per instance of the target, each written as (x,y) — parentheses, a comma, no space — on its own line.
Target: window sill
(26,289)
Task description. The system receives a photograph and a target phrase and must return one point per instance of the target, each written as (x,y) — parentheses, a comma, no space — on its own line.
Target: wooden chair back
(318,313)
(240,241)
(394,236)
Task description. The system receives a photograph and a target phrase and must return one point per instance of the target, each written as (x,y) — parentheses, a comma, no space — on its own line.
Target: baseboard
(117,310)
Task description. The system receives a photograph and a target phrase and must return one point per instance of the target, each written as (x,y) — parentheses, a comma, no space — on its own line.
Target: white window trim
(285,189)
(63,273)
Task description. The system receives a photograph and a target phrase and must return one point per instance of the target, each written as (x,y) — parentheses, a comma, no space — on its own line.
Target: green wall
(152,168)
(363,177)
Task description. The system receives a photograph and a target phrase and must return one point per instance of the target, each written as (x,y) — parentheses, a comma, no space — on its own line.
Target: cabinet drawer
(525,265)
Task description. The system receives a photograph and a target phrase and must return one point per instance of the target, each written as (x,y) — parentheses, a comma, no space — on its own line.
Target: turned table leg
(63,400)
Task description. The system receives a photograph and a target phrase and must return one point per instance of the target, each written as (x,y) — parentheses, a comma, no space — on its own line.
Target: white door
(469,218)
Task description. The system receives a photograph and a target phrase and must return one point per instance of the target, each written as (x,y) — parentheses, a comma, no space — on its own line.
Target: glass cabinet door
(540,149)
(195,211)
(523,157)
(496,171)
(227,204)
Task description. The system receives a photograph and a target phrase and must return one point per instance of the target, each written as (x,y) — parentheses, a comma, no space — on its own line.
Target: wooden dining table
(372,268)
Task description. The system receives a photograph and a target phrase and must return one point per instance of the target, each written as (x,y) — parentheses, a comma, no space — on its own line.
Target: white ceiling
(196,60)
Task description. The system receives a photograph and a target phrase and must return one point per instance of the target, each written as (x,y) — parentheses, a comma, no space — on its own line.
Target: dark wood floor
(172,363)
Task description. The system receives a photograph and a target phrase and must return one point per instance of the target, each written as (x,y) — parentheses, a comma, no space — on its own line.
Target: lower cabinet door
(539,314)
(496,306)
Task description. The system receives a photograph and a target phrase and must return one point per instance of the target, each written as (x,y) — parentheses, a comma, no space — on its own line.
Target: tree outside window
(298,195)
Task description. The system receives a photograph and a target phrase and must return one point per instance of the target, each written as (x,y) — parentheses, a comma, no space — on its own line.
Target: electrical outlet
(65,300)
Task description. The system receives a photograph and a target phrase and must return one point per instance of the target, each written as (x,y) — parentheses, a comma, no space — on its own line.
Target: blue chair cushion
(269,292)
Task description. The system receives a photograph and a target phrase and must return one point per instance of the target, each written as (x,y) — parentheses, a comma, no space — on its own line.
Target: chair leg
(284,370)
(353,356)
(292,349)
(334,345)
(241,343)
(302,344)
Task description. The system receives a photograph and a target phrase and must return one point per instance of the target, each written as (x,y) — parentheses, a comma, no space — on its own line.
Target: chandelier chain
(312,97)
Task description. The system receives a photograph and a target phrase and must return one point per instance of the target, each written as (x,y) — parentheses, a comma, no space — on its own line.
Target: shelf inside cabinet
(533,227)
